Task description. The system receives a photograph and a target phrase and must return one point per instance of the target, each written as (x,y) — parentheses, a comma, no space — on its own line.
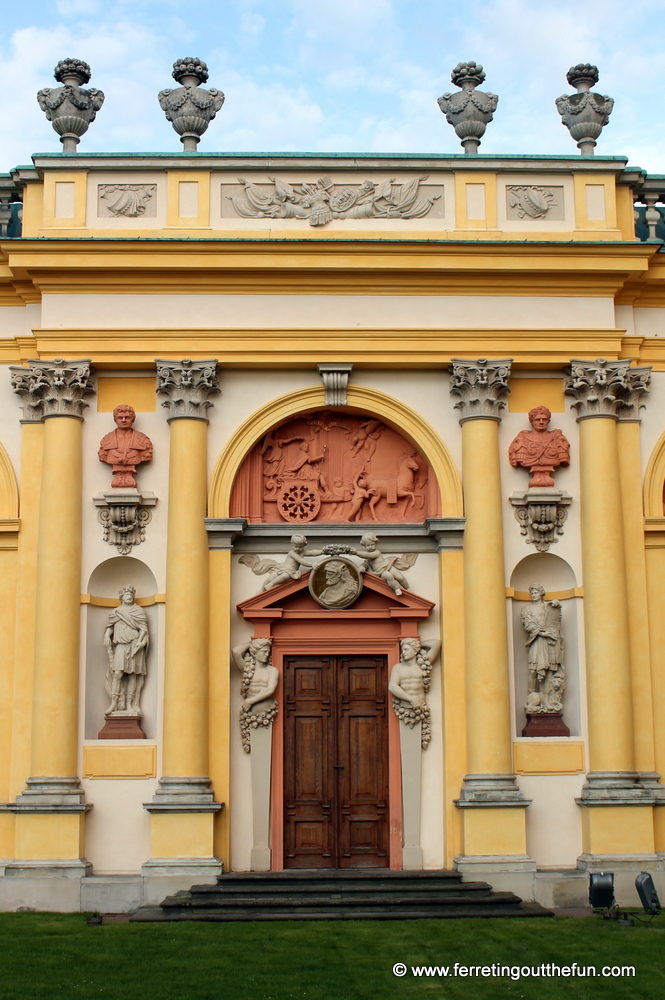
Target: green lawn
(58,955)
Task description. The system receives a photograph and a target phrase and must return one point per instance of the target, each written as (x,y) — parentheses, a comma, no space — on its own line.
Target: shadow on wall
(105,582)
(556,576)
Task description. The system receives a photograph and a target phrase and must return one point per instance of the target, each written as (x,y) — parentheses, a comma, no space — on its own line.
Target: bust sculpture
(126,641)
(124,448)
(540,450)
(259,683)
(541,621)
(410,681)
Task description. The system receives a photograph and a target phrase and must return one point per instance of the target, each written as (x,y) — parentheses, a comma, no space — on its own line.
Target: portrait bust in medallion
(335,583)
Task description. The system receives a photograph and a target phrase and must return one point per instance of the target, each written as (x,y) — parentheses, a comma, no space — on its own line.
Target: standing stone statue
(259,683)
(539,450)
(126,641)
(541,621)
(124,448)
(410,681)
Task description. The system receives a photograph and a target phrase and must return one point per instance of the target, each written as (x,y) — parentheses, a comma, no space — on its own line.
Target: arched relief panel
(8,487)
(558,578)
(654,481)
(364,405)
(105,582)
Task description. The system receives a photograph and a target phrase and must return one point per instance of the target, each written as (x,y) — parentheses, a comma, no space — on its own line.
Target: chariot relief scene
(335,467)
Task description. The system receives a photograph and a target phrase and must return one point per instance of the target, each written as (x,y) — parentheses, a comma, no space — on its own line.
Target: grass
(57,955)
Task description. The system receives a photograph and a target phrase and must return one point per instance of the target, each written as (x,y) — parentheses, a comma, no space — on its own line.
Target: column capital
(604,388)
(480,385)
(52,388)
(187,385)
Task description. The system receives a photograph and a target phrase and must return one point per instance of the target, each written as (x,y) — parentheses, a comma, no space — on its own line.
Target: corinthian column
(184,806)
(49,824)
(493,806)
(602,392)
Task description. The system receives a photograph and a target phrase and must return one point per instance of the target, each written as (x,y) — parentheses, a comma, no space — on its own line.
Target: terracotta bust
(124,447)
(539,450)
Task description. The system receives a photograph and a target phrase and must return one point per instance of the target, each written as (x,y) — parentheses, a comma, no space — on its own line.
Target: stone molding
(603,388)
(437,534)
(541,514)
(183,795)
(335,381)
(124,513)
(622,788)
(187,385)
(50,795)
(52,388)
(480,385)
(485,791)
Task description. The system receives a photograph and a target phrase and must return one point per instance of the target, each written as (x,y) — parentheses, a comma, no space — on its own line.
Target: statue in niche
(541,621)
(259,683)
(126,641)
(410,682)
(389,568)
(539,450)
(124,448)
(291,569)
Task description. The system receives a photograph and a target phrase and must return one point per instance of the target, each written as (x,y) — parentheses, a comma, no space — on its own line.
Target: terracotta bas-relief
(539,450)
(334,467)
(124,448)
(126,640)
(547,677)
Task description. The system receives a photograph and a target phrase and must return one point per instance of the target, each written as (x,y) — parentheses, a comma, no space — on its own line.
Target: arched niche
(362,402)
(105,581)
(654,481)
(8,487)
(558,578)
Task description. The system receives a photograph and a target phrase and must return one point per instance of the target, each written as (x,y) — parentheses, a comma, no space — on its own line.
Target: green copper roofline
(70,157)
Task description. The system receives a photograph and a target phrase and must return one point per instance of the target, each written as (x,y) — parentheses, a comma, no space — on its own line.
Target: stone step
(157,914)
(318,900)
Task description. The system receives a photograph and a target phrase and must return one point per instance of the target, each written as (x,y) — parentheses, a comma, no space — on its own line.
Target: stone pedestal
(411,754)
(121,727)
(541,513)
(124,513)
(546,724)
(261,738)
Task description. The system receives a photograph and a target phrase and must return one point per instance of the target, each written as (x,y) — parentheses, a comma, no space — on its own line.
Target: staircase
(369,894)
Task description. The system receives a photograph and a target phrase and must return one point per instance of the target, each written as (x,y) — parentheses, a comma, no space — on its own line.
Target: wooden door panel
(335,762)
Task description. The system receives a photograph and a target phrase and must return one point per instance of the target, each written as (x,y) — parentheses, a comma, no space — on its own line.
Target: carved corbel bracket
(541,514)
(335,381)
(124,515)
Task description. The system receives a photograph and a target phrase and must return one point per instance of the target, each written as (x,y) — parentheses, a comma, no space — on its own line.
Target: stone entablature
(453,196)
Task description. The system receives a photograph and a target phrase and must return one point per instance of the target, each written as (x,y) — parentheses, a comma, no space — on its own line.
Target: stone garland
(409,714)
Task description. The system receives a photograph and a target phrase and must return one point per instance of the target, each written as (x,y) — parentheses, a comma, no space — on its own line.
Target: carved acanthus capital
(335,381)
(70,108)
(480,385)
(187,386)
(52,388)
(190,108)
(604,388)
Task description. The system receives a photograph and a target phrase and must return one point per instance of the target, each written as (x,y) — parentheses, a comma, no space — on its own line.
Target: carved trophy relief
(334,467)
(541,620)
(534,201)
(257,687)
(129,200)
(410,681)
(322,200)
(126,641)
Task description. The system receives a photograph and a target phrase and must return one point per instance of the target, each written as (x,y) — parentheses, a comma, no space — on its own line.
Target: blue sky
(337,75)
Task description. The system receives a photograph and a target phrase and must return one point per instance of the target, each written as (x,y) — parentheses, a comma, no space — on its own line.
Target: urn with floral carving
(190,108)
(585,113)
(70,108)
(470,110)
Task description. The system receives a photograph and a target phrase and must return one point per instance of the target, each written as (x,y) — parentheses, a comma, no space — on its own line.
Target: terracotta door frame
(334,646)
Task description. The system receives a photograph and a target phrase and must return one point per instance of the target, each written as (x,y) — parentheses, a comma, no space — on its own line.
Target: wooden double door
(335,762)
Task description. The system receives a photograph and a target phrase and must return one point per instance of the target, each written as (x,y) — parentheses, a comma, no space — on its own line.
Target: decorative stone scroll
(541,515)
(257,687)
(52,388)
(187,385)
(468,111)
(547,677)
(70,108)
(190,108)
(481,386)
(128,200)
(585,113)
(322,200)
(334,467)
(604,388)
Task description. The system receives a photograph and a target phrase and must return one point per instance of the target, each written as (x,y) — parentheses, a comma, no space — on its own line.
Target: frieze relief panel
(126,200)
(535,201)
(320,200)
(334,467)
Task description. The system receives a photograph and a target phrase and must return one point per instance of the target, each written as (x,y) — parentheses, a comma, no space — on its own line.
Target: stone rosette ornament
(190,108)
(585,113)
(70,108)
(469,111)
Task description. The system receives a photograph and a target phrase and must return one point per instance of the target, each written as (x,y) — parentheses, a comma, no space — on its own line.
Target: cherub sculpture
(291,569)
(389,568)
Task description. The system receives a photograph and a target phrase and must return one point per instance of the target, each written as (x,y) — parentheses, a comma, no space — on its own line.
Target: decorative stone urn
(190,108)
(70,108)
(585,113)
(470,110)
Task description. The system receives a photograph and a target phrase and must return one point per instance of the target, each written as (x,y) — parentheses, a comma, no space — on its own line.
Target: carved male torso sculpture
(124,448)
(539,450)
(409,683)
